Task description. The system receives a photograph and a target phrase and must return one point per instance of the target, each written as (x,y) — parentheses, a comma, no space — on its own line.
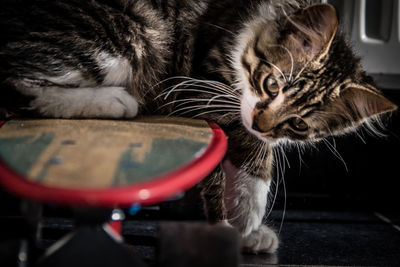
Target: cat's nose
(262,121)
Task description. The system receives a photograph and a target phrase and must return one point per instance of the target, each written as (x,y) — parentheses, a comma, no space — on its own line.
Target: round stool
(91,164)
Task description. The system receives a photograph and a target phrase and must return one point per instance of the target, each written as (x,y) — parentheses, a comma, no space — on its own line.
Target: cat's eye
(298,124)
(271,86)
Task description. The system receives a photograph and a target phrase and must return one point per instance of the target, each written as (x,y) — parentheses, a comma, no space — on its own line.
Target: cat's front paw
(112,102)
(246,204)
(263,240)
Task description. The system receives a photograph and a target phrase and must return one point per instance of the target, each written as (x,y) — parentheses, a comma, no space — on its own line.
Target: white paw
(263,240)
(247,217)
(246,202)
(111,102)
(245,198)
(96,102)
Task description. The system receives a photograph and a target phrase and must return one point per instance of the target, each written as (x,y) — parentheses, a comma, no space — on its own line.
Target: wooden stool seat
(107,163)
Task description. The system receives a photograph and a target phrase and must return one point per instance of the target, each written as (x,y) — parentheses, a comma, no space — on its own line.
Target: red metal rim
(158,189)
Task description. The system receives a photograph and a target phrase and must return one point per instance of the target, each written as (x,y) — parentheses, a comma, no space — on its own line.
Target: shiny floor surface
(314,238)
(320,238)
(335,239)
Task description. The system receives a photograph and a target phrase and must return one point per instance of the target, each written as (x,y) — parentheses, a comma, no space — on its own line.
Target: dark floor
(321,238)
(317,238)
(335,239)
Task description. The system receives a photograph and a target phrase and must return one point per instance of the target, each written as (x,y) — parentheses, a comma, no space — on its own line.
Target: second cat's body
(271,73)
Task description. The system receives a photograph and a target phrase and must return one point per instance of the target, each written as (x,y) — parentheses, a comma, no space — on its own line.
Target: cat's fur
(270,72)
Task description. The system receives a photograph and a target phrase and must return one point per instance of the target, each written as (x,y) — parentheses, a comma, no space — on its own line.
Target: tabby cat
(271,73)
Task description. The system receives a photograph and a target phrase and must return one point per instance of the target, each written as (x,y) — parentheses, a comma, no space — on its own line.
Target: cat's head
(300,81)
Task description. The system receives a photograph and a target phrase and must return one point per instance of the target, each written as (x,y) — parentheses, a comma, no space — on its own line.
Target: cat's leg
(91,102)
(212,193)
(245,202)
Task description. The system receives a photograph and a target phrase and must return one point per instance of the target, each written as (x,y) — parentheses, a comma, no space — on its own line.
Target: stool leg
(32,213)
(93,243)
(29,250)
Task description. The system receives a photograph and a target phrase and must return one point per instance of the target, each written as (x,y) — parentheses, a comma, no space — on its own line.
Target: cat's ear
(310,31)
(357,103)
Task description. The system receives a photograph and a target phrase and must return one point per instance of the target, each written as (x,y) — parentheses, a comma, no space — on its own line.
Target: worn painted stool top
(107,162)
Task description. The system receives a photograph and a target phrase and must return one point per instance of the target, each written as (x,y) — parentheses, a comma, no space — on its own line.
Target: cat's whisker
(199,91)
(302,70)
(185,78)
(374,126)
(256,160)
(191,82)
(228,114)
(186,111)
(260,158)
(168,91)
(215,111)
(188,82)
(230,72)
(291,59)
(220,27)
(284,156)
(276,67)
(249,159)
(299,152)
(292,62)
(170,78)
(277,167)
(236,86)
(360,136)
(272,198)
(283,166)
(215,99)
(184,105)
(211,86)
(335,152)
(221,86)
(197,107)
(189,100)
(332,147)
(233,218)
(284,205)
(263,155)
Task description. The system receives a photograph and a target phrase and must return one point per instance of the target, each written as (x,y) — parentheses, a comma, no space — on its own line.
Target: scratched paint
(21,152)
(165,155)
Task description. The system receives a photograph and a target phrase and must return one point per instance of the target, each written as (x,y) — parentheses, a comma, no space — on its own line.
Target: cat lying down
(272,74)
